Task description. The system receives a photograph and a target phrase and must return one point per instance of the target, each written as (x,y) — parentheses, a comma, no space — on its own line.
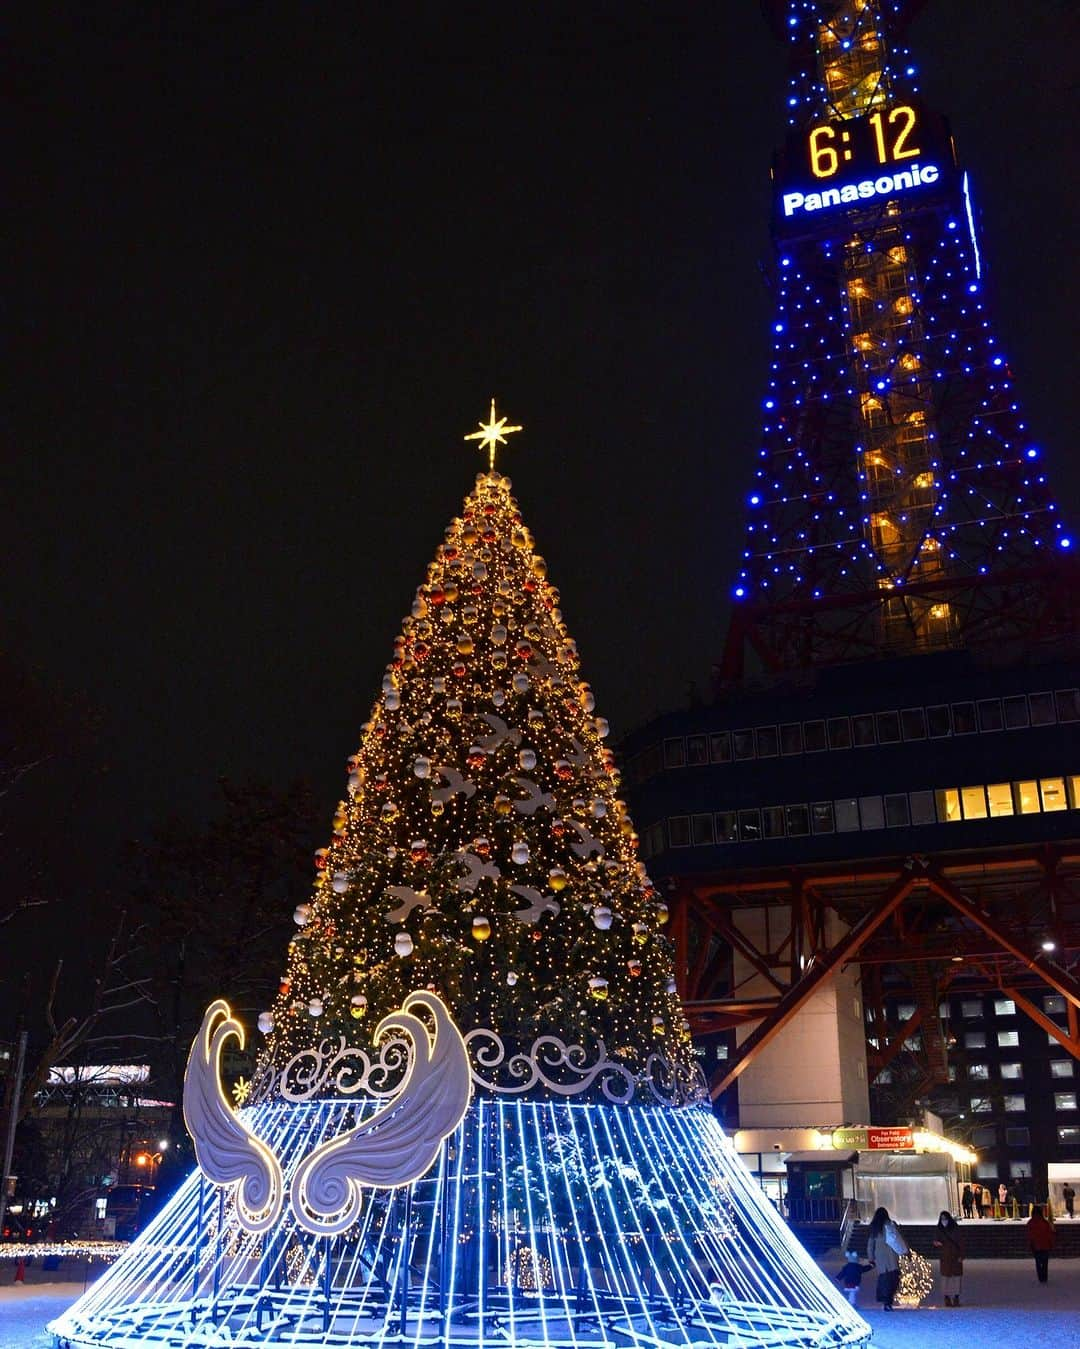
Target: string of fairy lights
(483,850)
(546,1223)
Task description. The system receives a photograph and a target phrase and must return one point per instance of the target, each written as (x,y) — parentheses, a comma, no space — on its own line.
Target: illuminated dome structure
(477,1117)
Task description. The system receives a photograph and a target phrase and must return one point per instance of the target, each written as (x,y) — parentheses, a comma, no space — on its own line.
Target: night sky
(270,263)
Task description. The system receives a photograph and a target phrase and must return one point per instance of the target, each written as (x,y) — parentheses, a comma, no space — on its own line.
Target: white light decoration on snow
(642,1227)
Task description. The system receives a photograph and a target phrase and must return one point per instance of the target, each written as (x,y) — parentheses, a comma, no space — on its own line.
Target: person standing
(948,1239)
(1041,1241)
(1069,1195)
(967,1201)
(979,1200)
(883,1249)
(1003,1201)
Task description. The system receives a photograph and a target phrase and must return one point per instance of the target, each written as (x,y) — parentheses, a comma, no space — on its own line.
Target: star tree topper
(492,435)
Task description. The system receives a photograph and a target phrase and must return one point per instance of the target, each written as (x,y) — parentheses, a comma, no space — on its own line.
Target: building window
(768,742)
(814,737)
(975,1039)
(798,821)
(1068,704)
(944,1011)
(971,1008)
(1015,1104)
(1026,797)
(1052,791)
(1054,1002)
(963,718)
(862,730)
(952,1072)
(1064,1100)
(1008,1039)
(791,738)
(981,1105)
(1004,1007)
(922,808)
(888,728)
(986,1171)
(973,802)
(913,723)
(985,1136)
(703,830)
(839,733)
(896,811)
(772,822)
(990,714)
(749,825)
(938,722)
(720,747)
(679,831)
(1061,1067)
(1074,791)
(1042,709)
(905,1011)
(697,750)
(1016,712)
(948,804)
(821,812)
(674,753)
(871,812)
(979,1072)
(999,795)
(847,815)
(1011,1072)
(1069,1134)
(1019,1169)
(727,826)
(1017,1138)
(744,744)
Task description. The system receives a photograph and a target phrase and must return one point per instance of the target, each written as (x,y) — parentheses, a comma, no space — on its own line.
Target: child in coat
(850,1276)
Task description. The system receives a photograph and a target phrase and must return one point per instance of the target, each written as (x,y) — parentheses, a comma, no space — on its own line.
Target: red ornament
(437,596)
(537,935)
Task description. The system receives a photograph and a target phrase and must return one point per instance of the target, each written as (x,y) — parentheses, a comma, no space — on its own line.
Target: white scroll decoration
(227,1151)
(399,1143)
(561,1068)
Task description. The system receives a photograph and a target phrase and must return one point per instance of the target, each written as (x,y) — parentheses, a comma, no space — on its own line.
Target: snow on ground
(1001,1303)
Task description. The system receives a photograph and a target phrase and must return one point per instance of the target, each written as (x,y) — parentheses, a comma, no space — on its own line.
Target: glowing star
(492,435)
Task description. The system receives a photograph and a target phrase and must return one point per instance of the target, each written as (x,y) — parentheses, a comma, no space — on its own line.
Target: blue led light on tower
(477,1117)
(887,388)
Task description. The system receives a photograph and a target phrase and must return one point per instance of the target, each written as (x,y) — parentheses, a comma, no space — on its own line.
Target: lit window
(903,304)
(897,255)
(1053,794)
(862,342)
(1069,1133)
(1061,1067)
(1015,1103)
(975,1039)
(971,1008)
(952,1072)
(944,1011)
(1054,1002)
(1012,1071)
(979,1072)
(1026,795)
(981,1105)
(1064,1100)
(908,362)
(1074,791)
(1008,1039)
(999,794)
(948,804)
(1004,1007)
(973,800)
(905,1011)
(1019,1169)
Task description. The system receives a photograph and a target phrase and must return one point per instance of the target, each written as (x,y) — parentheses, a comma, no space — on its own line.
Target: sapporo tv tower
(900,501)
(881,806)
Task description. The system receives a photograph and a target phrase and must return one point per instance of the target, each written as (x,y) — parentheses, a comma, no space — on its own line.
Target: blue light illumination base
(541,1223)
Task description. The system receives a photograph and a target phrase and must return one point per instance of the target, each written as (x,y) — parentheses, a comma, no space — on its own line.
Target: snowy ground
(1001,1303)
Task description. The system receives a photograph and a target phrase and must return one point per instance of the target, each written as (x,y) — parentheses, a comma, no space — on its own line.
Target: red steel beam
(820,971)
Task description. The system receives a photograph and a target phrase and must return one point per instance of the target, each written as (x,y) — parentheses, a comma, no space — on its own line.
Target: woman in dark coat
(949,1241)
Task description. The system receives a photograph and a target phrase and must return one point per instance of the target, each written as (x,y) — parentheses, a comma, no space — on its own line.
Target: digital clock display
(886,153)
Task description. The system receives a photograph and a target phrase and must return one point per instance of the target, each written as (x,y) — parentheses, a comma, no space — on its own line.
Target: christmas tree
(476,1119)
(483,851)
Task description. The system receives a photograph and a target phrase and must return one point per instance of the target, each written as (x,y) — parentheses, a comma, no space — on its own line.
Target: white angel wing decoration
(401,1141)
(227,1151)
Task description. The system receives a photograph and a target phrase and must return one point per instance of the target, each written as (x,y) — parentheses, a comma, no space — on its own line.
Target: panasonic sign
(797,204)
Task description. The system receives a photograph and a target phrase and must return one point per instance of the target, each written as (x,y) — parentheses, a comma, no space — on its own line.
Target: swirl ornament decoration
(227,1151)
(401,1141)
